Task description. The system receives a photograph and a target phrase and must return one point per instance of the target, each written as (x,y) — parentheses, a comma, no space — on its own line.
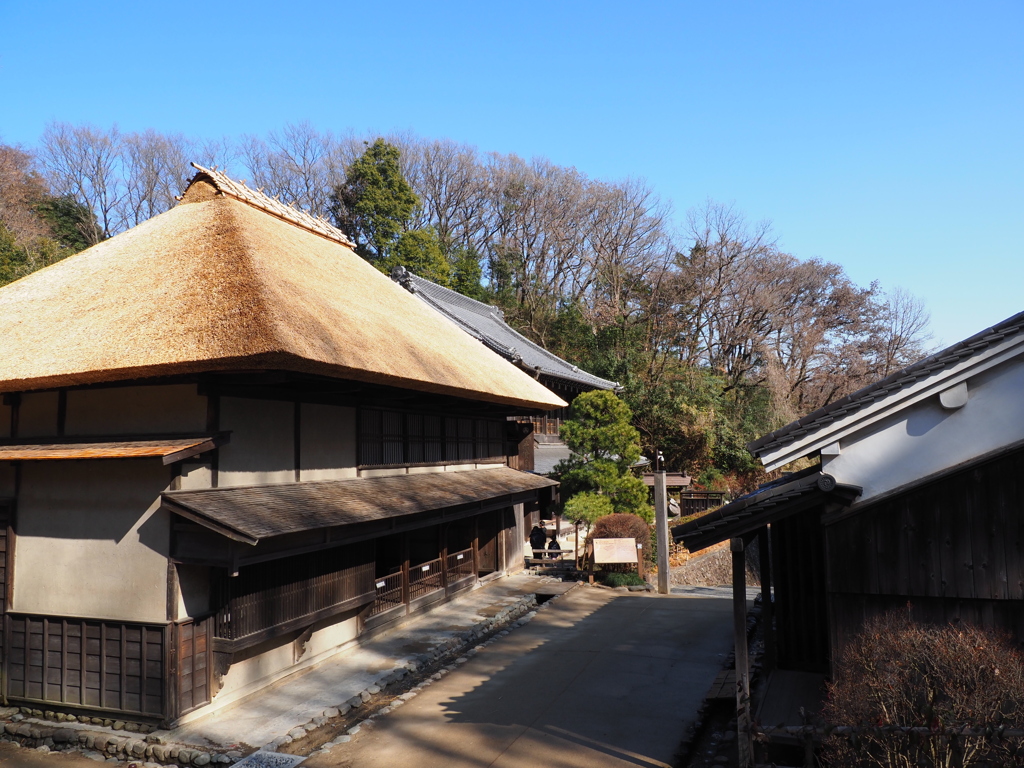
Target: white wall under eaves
(925,438)
(843,427)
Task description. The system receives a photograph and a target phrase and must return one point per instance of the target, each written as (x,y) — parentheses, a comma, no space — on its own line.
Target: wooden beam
(767,608)
(739,615)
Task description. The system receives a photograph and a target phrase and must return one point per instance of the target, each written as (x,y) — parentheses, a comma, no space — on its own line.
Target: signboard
(614,551)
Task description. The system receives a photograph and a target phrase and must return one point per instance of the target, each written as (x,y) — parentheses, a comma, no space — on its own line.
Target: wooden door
(487,536)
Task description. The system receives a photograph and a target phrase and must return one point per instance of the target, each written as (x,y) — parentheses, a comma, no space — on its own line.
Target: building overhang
(170,448)
(251,514)
(774,501)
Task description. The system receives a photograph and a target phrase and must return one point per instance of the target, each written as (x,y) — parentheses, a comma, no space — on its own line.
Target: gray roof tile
(487,323)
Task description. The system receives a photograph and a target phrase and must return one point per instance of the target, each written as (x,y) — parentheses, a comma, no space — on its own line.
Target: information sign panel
(614,551)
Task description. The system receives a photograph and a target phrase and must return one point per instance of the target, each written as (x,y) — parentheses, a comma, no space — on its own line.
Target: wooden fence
(102,665)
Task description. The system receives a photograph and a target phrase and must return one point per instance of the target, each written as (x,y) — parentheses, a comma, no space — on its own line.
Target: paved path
(597,679)
(297,699)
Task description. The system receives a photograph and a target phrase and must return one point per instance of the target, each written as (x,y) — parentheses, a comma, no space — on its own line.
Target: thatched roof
(230,280)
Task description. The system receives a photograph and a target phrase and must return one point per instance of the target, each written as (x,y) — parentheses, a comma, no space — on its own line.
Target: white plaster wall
(262,442)
(390,472)
(193,591)
(5,420)
(196,476)
(37,414)
(926,438)
(425,470)
(328,442)
(262,669)
(91,540)
(135,410)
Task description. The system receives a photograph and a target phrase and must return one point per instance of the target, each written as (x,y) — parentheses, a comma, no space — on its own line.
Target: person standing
(537,539)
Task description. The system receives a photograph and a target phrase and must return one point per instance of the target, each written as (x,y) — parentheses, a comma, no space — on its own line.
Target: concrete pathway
(598,678)
(297,699)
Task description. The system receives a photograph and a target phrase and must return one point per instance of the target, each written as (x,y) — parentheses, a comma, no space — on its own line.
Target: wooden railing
(460,565)
(425,578)
(282,593)
(389,593)
(551,557)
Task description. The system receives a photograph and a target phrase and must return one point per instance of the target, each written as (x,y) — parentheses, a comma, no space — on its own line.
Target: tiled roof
(252,513)
(772,501)
(487,323)
(920,370)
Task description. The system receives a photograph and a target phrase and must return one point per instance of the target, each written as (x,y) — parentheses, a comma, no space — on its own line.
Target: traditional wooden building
(229,447)
(487,323)
(915,497)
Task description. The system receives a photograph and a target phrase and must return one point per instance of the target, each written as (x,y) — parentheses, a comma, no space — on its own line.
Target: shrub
(900,674)
(623,580)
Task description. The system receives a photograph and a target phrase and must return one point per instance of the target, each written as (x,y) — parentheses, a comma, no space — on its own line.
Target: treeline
(716,334)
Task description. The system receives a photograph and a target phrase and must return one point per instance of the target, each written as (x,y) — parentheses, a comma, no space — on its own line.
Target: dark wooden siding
(800,601)
(78,662)
(195,664)
(952,549)
(293,591)
(6,563)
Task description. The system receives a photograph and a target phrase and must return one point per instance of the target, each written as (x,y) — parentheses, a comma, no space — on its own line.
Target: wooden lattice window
(391,438)
(270,598)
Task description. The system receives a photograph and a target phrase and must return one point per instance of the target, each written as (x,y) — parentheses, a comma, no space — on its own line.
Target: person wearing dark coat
(537,539)
(554,550)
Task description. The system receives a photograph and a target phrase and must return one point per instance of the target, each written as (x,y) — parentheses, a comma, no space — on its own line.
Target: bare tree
(156,169)
(298,164)
(901,335)
(84,162)
(20,187)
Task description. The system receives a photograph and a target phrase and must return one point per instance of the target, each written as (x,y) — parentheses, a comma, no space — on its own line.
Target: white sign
(615,550)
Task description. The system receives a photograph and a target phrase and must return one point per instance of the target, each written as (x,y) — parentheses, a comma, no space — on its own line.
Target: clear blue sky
(884,136)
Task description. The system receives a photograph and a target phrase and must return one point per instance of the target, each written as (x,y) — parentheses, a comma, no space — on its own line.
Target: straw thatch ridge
(222,284)
(271,205)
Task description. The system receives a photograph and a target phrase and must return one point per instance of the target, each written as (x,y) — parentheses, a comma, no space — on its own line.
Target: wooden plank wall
(801,611)
(5,561)
(195,664)
(952,549)
(77,662)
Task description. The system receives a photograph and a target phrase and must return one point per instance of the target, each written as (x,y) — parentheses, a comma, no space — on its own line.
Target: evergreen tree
(375,204)
(598,479)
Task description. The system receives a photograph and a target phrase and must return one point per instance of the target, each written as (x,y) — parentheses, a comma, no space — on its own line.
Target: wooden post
(661,529)
(767,608)
(576,547)
(405,571)
(442,545)
(739,616)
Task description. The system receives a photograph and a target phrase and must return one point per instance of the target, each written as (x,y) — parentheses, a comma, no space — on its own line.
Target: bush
(623,580)
(900,674)
(624,526)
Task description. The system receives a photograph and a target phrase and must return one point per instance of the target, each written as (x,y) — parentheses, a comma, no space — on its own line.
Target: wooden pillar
(476,546)
(442,542)
(405,570)
(767,608)
(661,529)
(739,608)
